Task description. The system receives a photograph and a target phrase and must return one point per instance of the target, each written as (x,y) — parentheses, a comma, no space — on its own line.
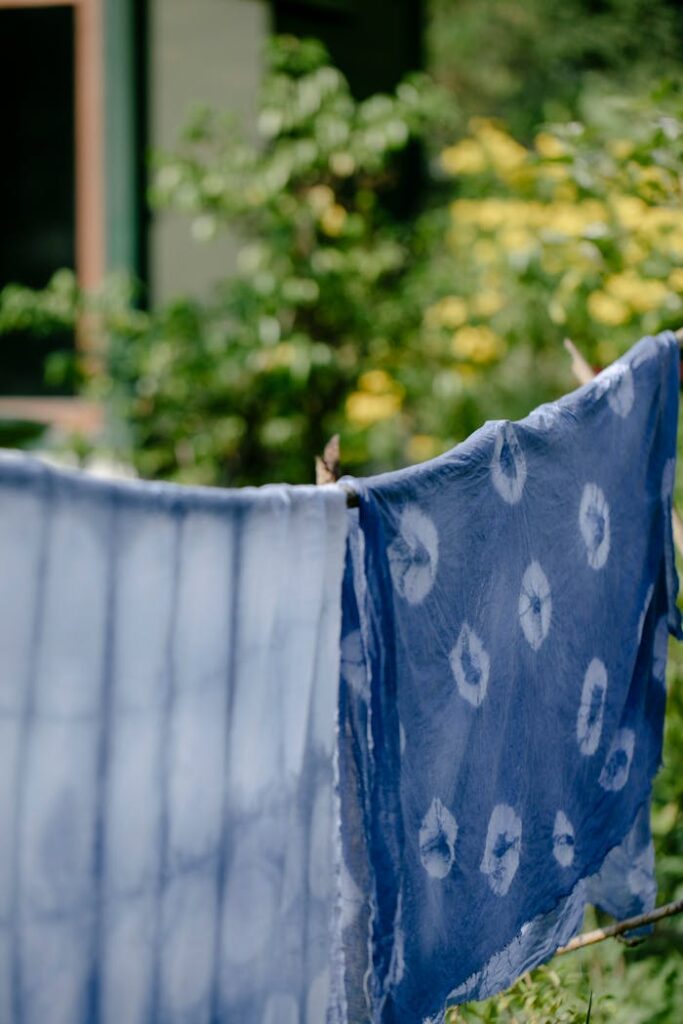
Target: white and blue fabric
(506,614)
(168,711)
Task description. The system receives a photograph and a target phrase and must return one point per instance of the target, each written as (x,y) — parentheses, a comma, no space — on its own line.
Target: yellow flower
(556,311)
(630,210)
(448,312)
(574,219)
(333,220)
(342,164)
(654,175)
(607,309)
(319,198)
(376,382)
(633,252)
(505,154)
(478,344)
(364,409)
(485,251)
(516,239)
(466,157)
(620,149)
(675,281)
(422,447)
(487,303)
(640,293)
(549,147)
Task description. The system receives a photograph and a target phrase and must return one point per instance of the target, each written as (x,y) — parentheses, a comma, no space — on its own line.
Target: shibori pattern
(168,708)
(515,598)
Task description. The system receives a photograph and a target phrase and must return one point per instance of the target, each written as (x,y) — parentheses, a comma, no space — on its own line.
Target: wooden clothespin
(327,470)
(327,464)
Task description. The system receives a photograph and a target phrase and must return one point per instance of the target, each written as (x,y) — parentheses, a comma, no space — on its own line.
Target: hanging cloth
(506,614)
(168,704)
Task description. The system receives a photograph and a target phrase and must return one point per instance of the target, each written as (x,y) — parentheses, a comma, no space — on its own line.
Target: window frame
(89,216)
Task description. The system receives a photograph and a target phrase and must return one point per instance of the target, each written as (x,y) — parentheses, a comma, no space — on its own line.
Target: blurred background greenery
(407,265)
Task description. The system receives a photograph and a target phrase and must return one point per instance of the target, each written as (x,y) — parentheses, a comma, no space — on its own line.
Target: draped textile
(506,614)
(168,704)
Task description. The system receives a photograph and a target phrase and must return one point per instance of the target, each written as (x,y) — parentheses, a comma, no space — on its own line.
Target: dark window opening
(37,177)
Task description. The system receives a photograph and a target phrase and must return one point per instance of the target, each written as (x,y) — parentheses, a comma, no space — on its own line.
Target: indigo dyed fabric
(506,614)
(168,704)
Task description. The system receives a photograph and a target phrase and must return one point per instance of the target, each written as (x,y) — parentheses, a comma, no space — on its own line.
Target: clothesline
(327,465)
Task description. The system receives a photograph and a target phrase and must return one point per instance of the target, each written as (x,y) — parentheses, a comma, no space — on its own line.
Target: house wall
(203,51)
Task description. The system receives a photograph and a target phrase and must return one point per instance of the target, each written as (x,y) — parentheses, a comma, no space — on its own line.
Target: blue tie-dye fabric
(168,706)
(506,613)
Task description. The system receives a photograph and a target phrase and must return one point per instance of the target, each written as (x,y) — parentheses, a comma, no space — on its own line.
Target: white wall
(201,51)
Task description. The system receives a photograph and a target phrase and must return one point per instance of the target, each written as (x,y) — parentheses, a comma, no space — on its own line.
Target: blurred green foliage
(530,61)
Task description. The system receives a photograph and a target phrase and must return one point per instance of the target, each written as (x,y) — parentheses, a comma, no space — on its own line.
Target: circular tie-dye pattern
(470,665)
(563,840)
(660,650)
(617,383)
(508,466)
(535,605)
(413,555)
(594,525)
(614,774)
(436,840)
(591,708)
(502,850)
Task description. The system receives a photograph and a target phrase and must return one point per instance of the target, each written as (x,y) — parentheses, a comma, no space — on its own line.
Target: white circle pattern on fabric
(591,708)
(352,664)
(660,650)
(594,523)
(563,840)
(535,605)
(470,665)
(414,555)
(502,850)
(436,839)
(616,381)
(508,466)
(615,772)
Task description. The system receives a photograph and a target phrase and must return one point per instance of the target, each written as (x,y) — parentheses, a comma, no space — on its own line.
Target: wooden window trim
(73,413)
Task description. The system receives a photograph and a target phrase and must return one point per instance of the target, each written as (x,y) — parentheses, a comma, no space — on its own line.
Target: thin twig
(590,938)
(584,373)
